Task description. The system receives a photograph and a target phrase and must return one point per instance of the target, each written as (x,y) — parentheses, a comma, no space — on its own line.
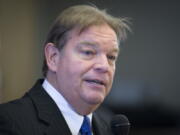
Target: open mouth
(95,81)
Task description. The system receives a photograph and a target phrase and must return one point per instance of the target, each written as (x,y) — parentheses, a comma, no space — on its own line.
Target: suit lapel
(48,113)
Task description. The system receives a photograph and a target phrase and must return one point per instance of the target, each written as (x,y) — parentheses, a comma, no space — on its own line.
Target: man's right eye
(87,54)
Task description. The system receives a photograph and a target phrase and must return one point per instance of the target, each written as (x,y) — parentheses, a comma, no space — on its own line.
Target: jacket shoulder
(15,114)
(16,107)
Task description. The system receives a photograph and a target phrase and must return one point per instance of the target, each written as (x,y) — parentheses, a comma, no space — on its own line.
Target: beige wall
(19,56)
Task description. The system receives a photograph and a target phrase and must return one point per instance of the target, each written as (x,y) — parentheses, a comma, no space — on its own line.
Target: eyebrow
(94,44)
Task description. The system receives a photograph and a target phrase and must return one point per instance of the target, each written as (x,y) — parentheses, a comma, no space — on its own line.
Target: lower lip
(95,85)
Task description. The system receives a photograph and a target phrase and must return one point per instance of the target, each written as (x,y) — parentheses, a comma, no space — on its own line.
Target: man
(80,51)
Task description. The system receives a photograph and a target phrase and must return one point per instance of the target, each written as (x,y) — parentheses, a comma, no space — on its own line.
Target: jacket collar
(47,111)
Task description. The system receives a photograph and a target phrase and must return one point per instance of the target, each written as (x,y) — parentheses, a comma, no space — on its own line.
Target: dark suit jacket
(37,114)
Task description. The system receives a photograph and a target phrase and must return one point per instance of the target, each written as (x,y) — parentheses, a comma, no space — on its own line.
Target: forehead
(100,34)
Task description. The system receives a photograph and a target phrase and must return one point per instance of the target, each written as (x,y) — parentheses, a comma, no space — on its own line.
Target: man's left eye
(112,57)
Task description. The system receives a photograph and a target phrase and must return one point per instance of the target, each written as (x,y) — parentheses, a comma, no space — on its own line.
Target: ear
(52,56)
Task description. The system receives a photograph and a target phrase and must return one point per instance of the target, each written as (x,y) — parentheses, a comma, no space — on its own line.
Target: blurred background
(147,84)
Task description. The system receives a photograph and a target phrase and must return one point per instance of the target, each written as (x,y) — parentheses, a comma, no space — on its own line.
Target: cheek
(111,77)
(82,66)
(112,72)
(76,70)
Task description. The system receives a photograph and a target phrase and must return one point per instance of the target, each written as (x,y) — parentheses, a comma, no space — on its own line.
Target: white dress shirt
(73,119)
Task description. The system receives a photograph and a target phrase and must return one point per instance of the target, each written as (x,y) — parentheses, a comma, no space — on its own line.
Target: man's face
(86,65)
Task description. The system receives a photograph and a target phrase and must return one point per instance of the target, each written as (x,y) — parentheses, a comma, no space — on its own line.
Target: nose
(101,64)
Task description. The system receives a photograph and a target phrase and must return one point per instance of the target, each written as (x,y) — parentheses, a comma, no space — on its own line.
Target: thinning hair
(82,17)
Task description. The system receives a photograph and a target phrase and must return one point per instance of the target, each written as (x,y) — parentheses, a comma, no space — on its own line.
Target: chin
(93,97)
(95,100)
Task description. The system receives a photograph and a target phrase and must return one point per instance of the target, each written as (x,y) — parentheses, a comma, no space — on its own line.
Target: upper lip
(98,80)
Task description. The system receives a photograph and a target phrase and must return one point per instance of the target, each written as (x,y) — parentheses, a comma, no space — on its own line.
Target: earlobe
(52,56)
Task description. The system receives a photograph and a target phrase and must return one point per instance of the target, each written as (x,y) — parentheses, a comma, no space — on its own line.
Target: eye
(87,52)
(112,57)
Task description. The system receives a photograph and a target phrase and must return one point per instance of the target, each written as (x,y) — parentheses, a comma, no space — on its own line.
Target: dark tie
(86,128)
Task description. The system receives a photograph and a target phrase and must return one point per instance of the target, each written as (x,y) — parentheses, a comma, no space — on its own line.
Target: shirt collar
(73,119)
